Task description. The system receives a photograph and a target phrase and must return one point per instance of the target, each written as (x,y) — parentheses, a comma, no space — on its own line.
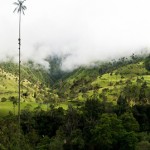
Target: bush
(3,99)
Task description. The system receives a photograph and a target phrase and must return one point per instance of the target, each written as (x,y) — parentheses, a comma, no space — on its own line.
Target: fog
(84,30)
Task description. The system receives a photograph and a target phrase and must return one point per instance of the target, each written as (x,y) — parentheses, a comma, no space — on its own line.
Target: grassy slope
(80,85)
(88,82)
(9,86)
(33,81)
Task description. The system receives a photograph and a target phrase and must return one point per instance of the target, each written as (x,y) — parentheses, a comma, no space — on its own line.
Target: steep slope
(108,81)
(34,81)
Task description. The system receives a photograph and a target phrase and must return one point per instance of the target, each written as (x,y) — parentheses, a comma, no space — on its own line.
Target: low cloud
(83,30)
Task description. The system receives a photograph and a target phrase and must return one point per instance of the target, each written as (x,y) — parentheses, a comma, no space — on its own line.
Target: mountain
(106,81)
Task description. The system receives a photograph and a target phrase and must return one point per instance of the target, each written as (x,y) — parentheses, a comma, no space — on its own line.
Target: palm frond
(19,10)
(15,3)
(15,9)
(20,7)
(24,7)
(23,12)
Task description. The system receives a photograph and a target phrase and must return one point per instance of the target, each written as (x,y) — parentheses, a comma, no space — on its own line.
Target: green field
(6,107)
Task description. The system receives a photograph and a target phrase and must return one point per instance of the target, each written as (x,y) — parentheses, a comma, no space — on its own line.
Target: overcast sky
(87,30)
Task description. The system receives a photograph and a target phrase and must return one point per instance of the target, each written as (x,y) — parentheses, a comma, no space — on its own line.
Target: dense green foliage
(94,126)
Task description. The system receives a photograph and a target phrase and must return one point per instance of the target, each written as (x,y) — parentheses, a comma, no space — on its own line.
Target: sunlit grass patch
(6,107)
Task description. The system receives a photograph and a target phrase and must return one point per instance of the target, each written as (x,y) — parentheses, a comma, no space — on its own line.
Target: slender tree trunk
(14,109)
(19,95)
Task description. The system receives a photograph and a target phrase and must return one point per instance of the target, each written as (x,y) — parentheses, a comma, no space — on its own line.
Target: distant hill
(107,81)
(128,77)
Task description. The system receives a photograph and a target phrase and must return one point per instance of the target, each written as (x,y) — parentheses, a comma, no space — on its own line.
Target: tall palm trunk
(19,42)
(20,9)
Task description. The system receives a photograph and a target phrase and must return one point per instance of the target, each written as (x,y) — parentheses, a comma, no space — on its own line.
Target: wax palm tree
(20,8)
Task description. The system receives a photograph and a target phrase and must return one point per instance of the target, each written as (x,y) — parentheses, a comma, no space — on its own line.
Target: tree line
(97,125)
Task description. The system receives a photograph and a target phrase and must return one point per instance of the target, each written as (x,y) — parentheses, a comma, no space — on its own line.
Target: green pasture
(6,107)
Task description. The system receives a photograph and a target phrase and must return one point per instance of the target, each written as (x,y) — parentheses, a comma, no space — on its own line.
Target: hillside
(105,81)
(105,106)
(34,81)
(108,81)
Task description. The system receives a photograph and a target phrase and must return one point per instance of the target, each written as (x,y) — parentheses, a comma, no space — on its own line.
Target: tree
(20,8)
(147,63)
(93,109)
(141,114)
(14,105)
(107,132)
(142,93)
(57,141)
(129,122)
(122,105)
(9,135)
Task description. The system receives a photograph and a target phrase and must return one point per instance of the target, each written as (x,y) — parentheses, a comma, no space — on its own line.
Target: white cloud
(86,29)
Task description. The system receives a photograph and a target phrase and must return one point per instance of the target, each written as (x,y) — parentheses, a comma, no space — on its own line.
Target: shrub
(3,99)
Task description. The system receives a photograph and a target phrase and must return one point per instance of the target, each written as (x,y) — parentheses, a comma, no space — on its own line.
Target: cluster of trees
(115,64)
(94,126)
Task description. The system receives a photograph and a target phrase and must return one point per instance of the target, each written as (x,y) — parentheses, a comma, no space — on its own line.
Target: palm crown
(20,7)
